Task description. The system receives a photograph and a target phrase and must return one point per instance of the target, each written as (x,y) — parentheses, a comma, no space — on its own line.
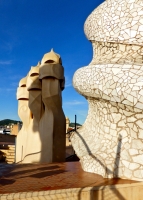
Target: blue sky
(28,30)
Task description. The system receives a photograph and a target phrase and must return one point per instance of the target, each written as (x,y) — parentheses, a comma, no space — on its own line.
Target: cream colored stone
(140,124)
(113,132)
(40,103)
(123,133)
(135,128)
(133,166)
(122,123)
(139,105)
(125,155)
(138,174)
(127,146)
(138,159)
(137,110)
(126,139)
(113,126)
(114,109)
(131,125)
(137,144)
(116,117)
(128,173)
(126,163)
(139,116)
(121,106)
(133,151)
(140,135)
(128,114)
(51,57)
(131,119)
(133,134)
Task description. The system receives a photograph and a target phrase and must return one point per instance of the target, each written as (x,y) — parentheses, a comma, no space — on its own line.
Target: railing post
(75,123)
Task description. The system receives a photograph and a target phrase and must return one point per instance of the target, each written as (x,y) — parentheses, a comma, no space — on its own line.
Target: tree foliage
(8,122)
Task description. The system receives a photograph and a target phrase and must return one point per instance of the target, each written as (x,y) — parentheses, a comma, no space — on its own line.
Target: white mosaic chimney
(110,142)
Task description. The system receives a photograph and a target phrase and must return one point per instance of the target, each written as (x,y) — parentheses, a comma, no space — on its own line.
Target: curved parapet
(110,142)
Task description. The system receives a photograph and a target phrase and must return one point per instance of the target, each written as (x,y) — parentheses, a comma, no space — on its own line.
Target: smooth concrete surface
(43,134)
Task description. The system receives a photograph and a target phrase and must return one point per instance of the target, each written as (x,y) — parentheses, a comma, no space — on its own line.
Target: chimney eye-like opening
(31,115)
(24,85)
(34,74)
(50,61)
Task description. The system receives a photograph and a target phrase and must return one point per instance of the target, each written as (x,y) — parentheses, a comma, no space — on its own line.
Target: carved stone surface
(110,142)
(42,137)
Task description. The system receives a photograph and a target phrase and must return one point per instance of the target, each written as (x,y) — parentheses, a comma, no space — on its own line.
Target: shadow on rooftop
(4,181)
(116,164)
(39,172)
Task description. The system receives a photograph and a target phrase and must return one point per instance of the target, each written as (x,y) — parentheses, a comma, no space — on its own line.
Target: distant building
(1,130)
(67,124)
(6,130)
(15,128)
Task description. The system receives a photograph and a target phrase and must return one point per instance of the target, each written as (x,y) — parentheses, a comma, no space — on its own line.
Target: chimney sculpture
(42,137)
(110,142)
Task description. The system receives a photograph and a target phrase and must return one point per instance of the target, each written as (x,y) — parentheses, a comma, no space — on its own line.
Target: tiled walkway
(42,177)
